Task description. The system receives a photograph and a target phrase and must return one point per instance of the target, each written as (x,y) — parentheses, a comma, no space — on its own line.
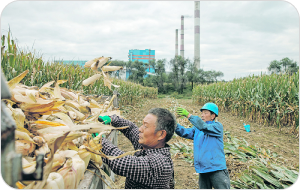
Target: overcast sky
(238,38)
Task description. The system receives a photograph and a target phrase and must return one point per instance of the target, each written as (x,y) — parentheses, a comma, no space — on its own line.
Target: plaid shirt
(147,169)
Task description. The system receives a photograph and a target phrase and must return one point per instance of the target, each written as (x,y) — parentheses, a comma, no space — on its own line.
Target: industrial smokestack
(197,34)
(176,42)
(182,37)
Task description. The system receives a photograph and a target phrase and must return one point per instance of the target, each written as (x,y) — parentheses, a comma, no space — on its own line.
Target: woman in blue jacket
(209,157)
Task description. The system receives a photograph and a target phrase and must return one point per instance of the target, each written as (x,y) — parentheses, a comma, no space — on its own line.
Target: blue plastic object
(211,107)
(247,127)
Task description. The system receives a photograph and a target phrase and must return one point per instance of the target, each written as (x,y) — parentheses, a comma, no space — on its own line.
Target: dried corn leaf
(22,129)
(73,104)
(65,118)
(18,116)
(20,135)
(25,99)
(79,115)
(107,82)
(48,123)
(37,108)
(57,93)
(67,94)
(94,104)
(45,86)
(73,135)
(13,82)
(32,94)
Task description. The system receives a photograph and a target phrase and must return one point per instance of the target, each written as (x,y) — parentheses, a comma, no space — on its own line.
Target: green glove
(104,119)
(183,112)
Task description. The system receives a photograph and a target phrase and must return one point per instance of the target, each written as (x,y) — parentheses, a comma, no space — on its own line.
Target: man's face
(207,116)
(148,138)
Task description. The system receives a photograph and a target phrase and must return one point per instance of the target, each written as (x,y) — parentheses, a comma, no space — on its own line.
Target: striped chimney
(197,34)
(182,37)
(176,42)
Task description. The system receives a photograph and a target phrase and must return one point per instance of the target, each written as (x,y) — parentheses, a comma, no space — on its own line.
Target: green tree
(173,76)
(161,76)
(285,65)
(192,73)
(274,67)
(182,63)
(138,72)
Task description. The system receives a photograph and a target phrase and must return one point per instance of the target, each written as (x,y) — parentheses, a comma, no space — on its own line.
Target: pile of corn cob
(58,123)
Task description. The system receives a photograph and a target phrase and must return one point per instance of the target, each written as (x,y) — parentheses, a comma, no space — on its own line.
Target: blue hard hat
(211,107)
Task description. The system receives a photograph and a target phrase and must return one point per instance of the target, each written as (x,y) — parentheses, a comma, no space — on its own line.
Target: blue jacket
(208,144)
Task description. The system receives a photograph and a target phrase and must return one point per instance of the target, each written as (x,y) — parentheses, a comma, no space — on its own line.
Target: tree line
(285,65)
(183,74)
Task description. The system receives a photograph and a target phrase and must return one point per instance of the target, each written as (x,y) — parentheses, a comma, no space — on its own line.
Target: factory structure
(142,56)
(196,36)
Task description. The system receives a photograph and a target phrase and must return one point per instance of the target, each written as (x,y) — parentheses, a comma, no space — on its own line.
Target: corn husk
(39,140)
(94,104)
(51,133)
(54,181)
(79,166)
(84,155)
(57,93)
(13,82)
(32,94)
(61,155)
(29,167)
(68,174)
(89,63)
(45,86)
(44,149)
(79,115)
(107,82)
(67,94)
(19,117)
(65,118)
(111,68)
(83,102)
(20,185)
(20,135)
(24,147)
(72,115)
(91,79)
(69,146)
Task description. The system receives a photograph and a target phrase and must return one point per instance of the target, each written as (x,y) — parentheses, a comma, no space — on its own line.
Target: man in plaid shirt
(152,167)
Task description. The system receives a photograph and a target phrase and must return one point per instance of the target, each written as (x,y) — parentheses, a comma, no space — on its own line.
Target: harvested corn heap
(58,123)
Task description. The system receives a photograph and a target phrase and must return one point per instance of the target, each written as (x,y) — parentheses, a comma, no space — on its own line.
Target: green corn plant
(266,99)
(15,61)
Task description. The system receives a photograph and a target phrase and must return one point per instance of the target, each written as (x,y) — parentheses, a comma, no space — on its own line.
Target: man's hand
(183,112)
(104,119)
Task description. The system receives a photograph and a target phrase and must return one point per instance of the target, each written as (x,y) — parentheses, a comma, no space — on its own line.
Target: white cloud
(236,37)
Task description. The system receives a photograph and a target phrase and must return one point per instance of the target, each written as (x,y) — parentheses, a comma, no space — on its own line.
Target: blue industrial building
(142,56)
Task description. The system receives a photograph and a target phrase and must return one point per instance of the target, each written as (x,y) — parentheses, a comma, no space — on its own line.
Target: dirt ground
(284,144)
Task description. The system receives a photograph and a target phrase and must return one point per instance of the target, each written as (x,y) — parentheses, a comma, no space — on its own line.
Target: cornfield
(15,61)
(266,99)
